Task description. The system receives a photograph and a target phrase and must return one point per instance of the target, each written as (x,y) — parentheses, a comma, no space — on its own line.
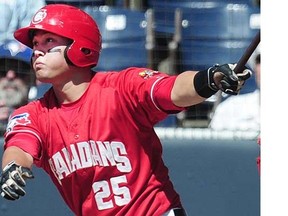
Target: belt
(176,212)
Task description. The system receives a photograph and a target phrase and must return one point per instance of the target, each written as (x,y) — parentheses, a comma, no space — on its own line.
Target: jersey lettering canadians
(101,151)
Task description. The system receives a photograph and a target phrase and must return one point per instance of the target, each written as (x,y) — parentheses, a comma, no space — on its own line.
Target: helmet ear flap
(78,55)
(69,62)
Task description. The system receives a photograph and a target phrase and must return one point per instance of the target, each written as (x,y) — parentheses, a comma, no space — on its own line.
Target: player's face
(48,58)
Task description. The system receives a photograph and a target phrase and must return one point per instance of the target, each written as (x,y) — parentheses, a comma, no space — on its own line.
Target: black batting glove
(223,77)
(12,181)
(220,77)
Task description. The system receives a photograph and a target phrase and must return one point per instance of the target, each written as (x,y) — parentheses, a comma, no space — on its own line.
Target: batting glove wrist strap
(204,83)
(12,181)
(222,78)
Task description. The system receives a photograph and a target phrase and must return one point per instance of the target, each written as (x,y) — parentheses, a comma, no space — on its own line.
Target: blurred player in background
(15,14)
(93,132)
(15,74)
(241,112)
(13,94)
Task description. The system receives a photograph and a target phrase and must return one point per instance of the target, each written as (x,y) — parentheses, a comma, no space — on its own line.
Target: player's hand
(12,181)
(223,77)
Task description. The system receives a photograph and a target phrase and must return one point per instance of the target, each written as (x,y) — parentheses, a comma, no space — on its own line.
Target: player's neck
(72,90)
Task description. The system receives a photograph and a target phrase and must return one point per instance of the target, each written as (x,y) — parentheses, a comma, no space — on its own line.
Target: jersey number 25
(121,194)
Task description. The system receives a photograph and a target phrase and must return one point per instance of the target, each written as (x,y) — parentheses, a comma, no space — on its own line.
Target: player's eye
(49,40)
(35,43)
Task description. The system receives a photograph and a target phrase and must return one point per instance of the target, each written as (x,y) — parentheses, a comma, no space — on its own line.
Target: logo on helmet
(39,16)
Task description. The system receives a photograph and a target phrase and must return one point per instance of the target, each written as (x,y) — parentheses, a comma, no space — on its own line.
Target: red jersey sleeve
(27,142)
(162,95)
(148,91)
(22,131)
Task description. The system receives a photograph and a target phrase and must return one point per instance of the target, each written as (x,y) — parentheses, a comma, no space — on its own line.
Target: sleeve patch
(147,73)
(20,119)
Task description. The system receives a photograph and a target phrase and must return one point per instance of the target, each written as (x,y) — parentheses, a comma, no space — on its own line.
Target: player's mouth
(38,65)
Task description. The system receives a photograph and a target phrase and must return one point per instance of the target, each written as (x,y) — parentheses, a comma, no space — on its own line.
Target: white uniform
(241,112)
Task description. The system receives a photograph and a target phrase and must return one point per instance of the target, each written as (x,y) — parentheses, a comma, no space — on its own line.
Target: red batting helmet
(69,22)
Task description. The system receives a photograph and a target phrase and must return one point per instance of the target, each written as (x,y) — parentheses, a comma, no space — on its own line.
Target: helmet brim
(23,36)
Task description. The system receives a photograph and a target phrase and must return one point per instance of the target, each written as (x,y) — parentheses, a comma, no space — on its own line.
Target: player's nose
(37,53)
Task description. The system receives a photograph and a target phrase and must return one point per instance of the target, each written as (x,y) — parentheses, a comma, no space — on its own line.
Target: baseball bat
(239,67)
(248,52)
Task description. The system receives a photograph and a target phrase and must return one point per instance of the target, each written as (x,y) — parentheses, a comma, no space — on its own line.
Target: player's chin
(43,79)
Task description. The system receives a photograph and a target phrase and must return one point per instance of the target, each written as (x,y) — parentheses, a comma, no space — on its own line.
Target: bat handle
(250,49)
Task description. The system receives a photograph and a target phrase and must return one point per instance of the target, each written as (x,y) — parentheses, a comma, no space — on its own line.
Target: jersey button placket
(74,129)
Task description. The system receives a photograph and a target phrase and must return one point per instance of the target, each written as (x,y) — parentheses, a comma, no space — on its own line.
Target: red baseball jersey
(101,151)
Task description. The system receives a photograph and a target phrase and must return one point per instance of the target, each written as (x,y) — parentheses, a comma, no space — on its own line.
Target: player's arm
(192,87)
(16,154)
(16,168)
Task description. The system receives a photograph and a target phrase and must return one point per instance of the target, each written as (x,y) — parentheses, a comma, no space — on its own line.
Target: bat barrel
(248,52)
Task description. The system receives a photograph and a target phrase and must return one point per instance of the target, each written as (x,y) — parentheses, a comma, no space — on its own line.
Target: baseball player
(93,132)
